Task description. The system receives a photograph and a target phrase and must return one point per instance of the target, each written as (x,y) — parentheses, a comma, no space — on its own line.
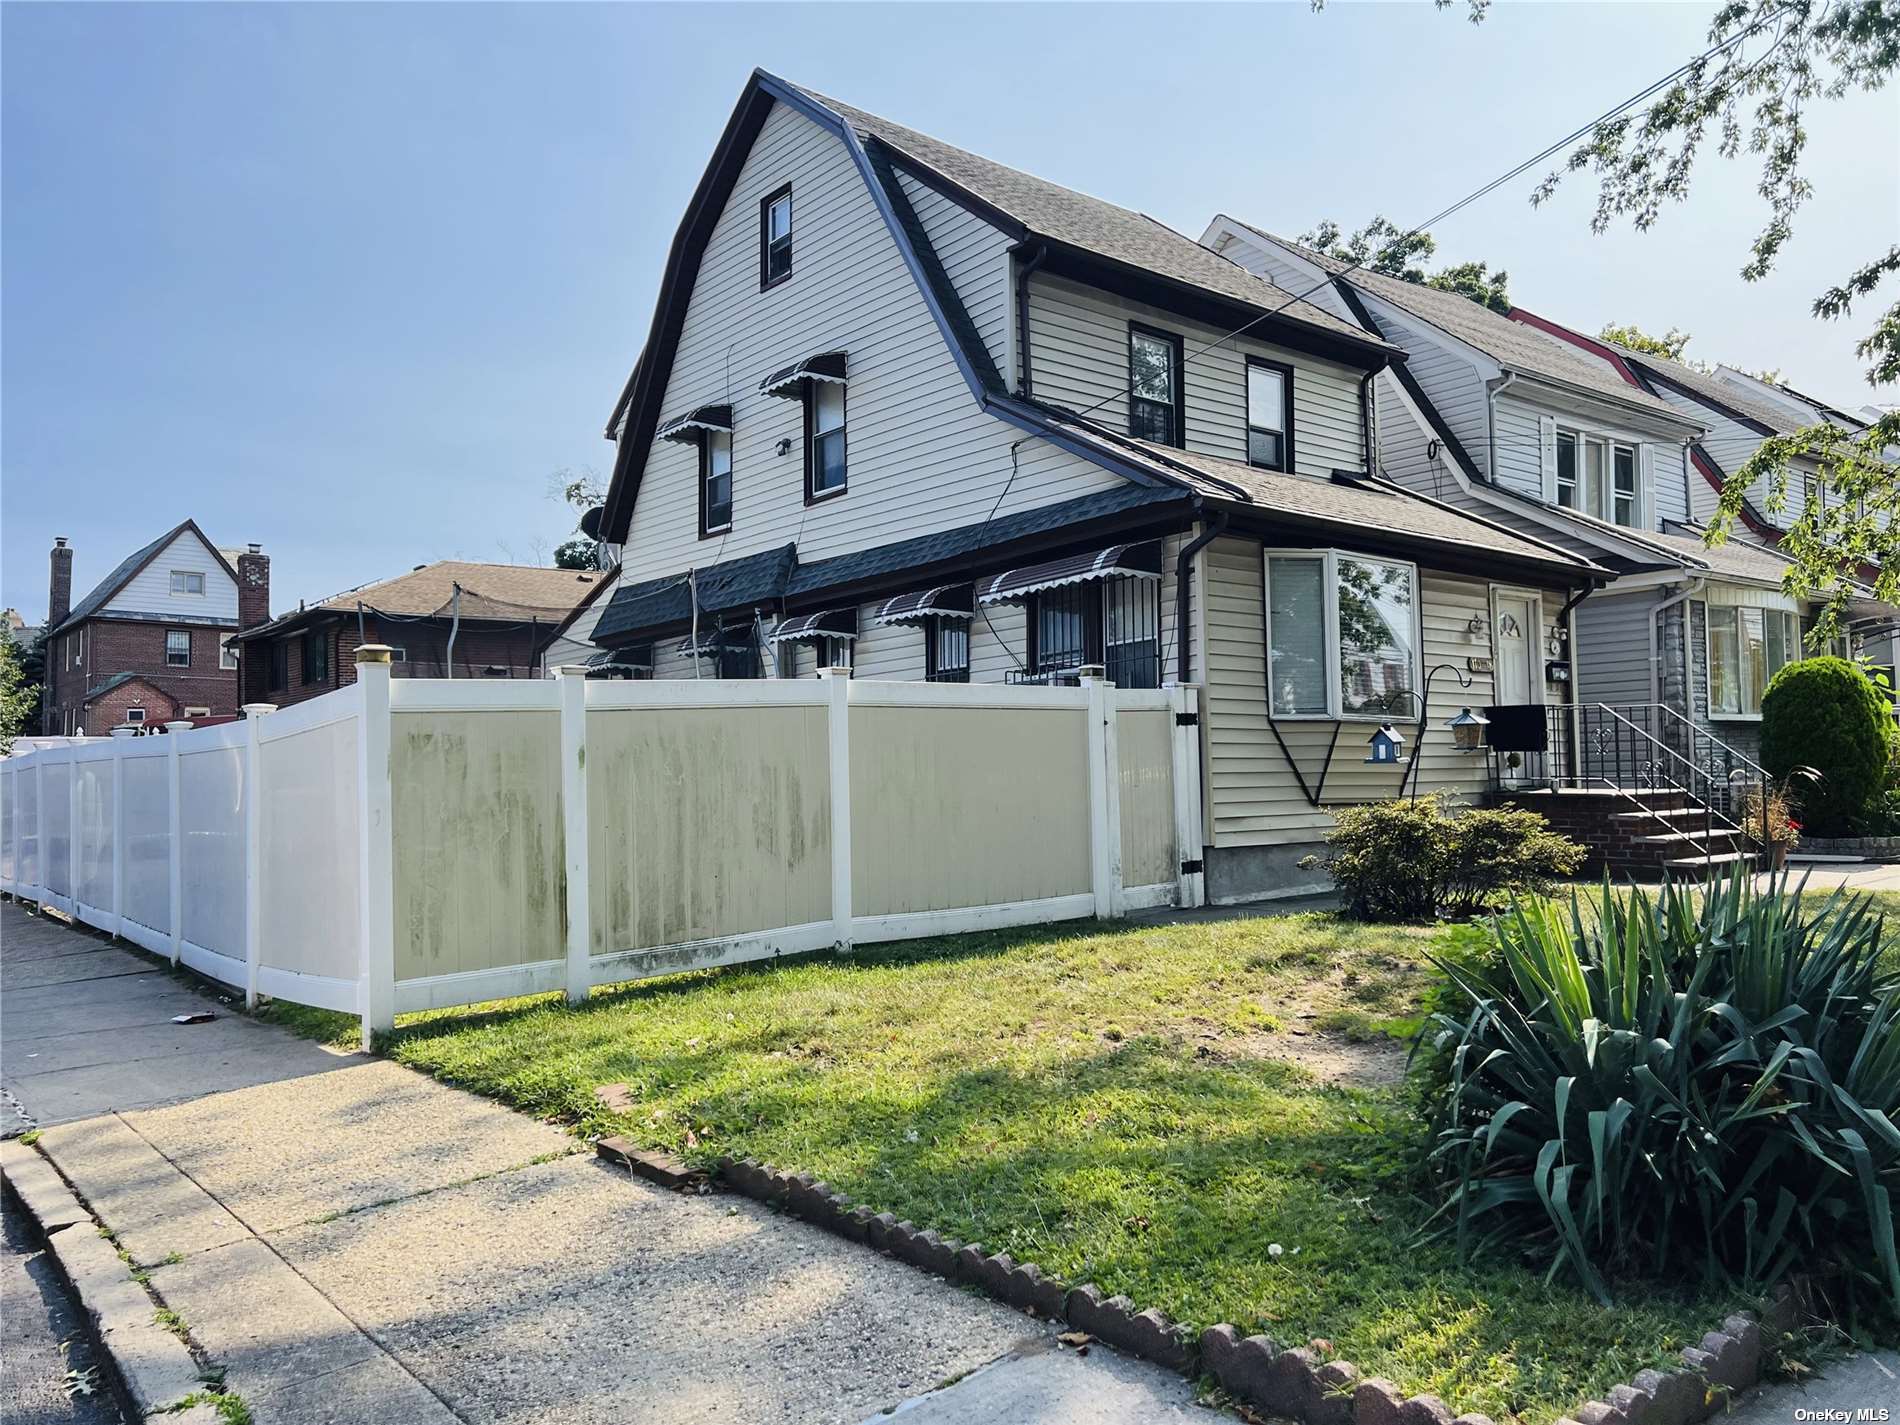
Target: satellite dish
(590,522)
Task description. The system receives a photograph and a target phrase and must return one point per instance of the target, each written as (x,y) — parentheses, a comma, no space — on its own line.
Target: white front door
(1517,644)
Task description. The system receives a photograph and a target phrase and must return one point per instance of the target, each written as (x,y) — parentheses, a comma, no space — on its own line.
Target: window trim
(170,634)
(1576,470)
(1741,662)
(766,280)
(1330,557)
(187,575)
(810,404)
(708,530)
(1180,382)
(135,708)
(1641,502)
(1286,414)
(228,654)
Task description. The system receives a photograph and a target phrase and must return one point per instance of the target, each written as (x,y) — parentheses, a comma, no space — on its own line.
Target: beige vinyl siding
(1079,354)
(1253,796)
(1450,379)
(1297,278)
(1612,655)
(921,455)
(975,256)
(150,590)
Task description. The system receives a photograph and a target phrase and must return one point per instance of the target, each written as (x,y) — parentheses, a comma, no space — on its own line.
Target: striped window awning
(1118,561)
(945,601)
(713,641)
(787,380)
(640,660)
(805,628)
(696,423)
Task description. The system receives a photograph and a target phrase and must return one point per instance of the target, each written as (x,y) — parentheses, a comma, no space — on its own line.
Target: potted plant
(1773,823)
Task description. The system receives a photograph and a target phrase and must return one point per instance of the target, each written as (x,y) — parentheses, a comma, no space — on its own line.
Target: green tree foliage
(1692,1084)
(1770,62)
(19,698)
(581,493)
(1382,246)
(1669,344)
(1826,713)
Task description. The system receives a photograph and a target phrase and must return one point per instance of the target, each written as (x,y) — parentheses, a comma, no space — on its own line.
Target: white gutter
(1690,590)
(1504,383)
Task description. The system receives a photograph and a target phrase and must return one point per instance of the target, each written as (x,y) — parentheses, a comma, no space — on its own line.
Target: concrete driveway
(354,1241)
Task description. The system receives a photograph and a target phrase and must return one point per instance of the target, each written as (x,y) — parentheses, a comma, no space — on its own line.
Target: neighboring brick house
(153,640)
(500,616)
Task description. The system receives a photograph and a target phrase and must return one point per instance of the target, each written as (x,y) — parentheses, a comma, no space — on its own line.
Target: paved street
(41,1341)
(354,1241)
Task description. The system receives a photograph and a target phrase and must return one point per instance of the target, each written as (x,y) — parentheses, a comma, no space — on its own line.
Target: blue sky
(354,281)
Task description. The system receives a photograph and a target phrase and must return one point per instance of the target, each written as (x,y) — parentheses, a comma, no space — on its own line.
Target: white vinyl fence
(422,843)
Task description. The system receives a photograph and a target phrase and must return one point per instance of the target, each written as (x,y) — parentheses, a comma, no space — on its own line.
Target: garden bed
(1151,1109)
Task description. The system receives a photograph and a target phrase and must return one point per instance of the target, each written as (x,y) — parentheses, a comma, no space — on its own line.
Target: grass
(1113,1104)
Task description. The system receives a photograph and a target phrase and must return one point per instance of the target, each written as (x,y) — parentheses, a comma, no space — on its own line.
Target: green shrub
(1825,713)
(1402,860)
(1701,1082)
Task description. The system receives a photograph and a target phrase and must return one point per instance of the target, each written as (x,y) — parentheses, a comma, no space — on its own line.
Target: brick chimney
(59,595)
(253,571)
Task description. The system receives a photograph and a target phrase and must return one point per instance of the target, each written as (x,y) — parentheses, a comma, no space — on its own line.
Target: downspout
(1026,387)
(1365,420)
(1690,590)
(1183,564)
(1491,424)
(455,625)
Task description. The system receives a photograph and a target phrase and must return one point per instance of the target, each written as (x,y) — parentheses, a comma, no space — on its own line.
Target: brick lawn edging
(1294,1382)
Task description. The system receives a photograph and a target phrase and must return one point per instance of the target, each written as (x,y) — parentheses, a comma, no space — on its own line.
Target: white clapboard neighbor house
(905,409)
(1511,420)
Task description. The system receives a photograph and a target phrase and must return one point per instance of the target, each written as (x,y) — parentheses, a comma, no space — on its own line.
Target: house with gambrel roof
(908,410)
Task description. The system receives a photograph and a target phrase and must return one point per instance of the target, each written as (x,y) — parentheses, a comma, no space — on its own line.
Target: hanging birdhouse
(1386,744)
(1467,730)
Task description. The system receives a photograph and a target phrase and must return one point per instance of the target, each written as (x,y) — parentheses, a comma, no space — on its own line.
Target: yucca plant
(1698,1080)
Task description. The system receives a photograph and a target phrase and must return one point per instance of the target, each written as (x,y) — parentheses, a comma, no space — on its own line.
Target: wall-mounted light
(1476,627)
(785,445)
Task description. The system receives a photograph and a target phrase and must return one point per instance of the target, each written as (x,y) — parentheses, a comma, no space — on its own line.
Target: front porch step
(1709,863)
(1690,838)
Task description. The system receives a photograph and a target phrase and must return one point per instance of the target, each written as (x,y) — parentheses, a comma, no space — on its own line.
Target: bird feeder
(1385,744)
(1467,730)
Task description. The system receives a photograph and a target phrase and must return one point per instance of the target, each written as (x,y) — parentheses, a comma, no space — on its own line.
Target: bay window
(1746,648)
(1342,635)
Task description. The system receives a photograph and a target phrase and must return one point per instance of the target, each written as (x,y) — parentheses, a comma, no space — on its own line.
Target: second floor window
(1624,504)
(1269,415)
(187,581)
(1566,470)
(824,439)
(715,482)
(177,648)
(1154,386)
(316,658)
(775,238)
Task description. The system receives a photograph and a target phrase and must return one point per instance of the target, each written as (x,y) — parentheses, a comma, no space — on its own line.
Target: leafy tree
(1382,246)
(581,491)
(1826,714)
(19,699)
(577,553)
(1769,62)
(1669,344)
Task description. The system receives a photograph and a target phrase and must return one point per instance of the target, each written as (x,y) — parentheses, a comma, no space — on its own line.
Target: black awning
(641,658)
(786,381)
(696,423)
(944,601)
(1138,561)
(832,623)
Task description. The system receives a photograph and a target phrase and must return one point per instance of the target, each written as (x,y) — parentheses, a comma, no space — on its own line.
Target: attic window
(775,237)
(1154,385)
(187,581)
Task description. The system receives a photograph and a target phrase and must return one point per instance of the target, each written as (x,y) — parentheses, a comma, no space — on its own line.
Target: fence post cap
(571,670)
(373,653)
(179,724)
(834,672)
(124,730)
(1092,672)
(257,709)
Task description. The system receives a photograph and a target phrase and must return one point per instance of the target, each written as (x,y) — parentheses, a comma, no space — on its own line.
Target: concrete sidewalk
(352,1241)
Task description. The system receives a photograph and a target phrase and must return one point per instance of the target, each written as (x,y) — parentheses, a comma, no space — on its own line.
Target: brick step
(1694,838)
(1708,863)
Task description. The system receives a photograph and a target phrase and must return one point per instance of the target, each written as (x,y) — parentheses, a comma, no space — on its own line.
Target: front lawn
(1153,1109)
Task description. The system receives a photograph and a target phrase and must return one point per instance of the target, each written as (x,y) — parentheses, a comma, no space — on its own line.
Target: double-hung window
(715,482)
(187,581)
(1155,409)
(316,658)
(1746,648)
(775,237)
(1594,452)
(1269,414)
(824,439)
(228,654)
(1625,507)
(1567,469)
(1342,635)
(280,665)
(177,648)
(947,650)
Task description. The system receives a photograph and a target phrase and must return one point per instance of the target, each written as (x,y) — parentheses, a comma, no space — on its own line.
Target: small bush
(1700,1082)
(1402,860)
(1825,713)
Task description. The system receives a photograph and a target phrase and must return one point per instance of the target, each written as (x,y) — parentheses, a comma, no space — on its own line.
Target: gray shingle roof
(1733,558)
(1091,224)
(1513,345)
(1706,387)
(735,583)
(116,580)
